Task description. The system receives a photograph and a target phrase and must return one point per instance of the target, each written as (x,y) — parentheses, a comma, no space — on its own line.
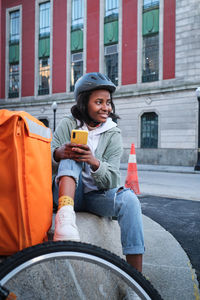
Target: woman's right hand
(63,152)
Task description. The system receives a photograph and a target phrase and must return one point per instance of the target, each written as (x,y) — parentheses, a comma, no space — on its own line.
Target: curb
(159,168)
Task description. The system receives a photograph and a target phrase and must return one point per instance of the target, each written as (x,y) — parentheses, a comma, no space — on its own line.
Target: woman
(88,176)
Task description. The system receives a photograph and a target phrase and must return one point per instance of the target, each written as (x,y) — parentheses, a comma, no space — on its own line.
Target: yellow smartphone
(79,136)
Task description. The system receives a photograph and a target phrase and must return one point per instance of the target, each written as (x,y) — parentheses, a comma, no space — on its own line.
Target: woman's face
(99,106)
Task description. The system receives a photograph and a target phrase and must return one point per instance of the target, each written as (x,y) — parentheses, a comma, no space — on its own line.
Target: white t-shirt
(93,140)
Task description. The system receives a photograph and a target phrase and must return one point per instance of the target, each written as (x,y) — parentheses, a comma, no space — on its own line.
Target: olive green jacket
(109,151)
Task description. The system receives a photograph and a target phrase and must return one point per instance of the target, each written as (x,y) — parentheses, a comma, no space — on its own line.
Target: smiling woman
(87,177)
(99,106)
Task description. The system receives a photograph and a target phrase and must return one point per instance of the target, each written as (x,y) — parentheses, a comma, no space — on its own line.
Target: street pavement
(171,214)
(168,181)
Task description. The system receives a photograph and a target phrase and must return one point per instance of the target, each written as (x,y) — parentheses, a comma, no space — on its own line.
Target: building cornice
(128,91)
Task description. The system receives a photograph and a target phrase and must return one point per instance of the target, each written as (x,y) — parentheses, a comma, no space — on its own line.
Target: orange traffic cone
(132,177)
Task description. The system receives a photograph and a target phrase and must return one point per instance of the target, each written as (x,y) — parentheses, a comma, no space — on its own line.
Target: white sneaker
(65,225)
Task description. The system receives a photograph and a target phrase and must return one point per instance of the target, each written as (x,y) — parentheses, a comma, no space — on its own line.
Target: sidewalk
(158,168)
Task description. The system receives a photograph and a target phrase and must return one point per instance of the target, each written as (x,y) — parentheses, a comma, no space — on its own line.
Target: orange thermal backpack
(25,181)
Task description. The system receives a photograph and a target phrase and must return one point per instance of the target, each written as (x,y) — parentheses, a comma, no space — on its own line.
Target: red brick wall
(92,36)
(59,46)
(169,31)
(28,47)
(129,42)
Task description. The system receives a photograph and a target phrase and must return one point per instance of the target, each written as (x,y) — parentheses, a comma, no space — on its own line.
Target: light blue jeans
(123,205)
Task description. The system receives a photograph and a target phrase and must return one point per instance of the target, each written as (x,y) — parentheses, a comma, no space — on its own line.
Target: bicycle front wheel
(72,270)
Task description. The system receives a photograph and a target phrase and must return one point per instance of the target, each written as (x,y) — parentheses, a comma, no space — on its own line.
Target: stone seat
(99,231)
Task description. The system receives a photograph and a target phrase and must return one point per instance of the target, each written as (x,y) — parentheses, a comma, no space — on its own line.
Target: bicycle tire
(45,252)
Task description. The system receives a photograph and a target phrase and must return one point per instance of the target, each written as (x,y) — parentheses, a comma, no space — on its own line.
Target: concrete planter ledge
(165,262)
(98,231)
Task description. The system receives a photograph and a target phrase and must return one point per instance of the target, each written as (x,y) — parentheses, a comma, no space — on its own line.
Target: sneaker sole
(62,238)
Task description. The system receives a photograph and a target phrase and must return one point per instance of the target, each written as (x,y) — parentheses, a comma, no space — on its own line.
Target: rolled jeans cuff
(135,250)
(68,167)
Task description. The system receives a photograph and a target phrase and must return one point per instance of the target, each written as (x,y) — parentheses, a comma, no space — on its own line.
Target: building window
(76,41)
(111,62)
(44,28)
(150,58)
(14,38)
(14,26)
(150,3)
(111,7)
(149,130)
(76,68)
(111,40)
(77,13)
(44,121)
(150,31)
(44,76)
(13,81)
(44,49)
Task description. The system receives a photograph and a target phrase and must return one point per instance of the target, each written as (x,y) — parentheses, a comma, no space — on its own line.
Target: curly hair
(80,109)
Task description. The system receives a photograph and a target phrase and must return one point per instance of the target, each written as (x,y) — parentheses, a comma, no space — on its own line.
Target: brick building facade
(149,48)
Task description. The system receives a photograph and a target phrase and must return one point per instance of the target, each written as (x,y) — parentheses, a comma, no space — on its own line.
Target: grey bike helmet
(93,81)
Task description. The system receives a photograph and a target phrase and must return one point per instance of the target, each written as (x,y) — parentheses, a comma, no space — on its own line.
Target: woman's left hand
(85,155)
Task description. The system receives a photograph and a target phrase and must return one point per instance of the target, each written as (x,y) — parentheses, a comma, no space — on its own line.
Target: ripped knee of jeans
(120,189)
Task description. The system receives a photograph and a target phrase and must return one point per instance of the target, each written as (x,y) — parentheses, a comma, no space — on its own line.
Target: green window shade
(77,40)
(14,53)
(111,32)
(150,22)
(44,47)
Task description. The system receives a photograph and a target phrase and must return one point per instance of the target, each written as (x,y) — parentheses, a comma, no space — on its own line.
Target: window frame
(76,26)
(109,10)
(147,39)
(140,43)
(150,4)
(42,30)
(111,16)
(10,29)
(12,75)
(75,63)
(37,58)
(111,56)
(46,70)
(79,20)
(153,74)
(143,146)
(9,11)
